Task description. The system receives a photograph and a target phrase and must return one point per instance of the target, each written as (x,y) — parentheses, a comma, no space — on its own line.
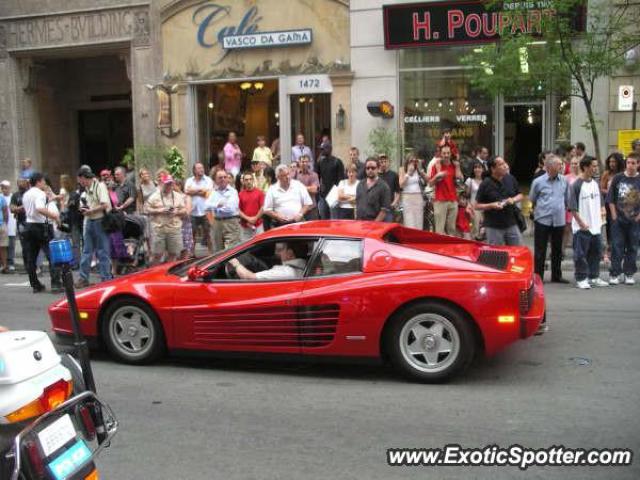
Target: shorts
(200,222)
(4,238)
(167,241)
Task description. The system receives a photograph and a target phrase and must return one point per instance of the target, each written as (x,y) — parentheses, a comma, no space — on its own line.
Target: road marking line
(23,284)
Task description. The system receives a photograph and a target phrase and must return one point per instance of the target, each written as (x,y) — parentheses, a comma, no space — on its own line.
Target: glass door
(311,116)
(523,136)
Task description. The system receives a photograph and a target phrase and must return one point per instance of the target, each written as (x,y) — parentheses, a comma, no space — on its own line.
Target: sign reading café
(469,21)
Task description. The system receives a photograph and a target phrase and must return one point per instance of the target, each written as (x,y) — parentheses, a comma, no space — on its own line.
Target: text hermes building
(414,60)
(72,76)
(270,68)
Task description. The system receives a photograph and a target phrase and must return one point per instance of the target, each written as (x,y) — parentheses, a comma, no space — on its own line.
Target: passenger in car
(293,257)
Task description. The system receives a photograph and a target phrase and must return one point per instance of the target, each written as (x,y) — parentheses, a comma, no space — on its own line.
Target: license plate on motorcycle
(56,435)
(70,461)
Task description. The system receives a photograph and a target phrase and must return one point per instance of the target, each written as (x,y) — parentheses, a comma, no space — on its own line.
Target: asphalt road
(577,386)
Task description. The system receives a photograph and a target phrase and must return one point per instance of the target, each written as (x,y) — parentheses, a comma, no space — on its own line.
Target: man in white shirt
(293,264)
(198,188)
(300,149)
(38,232)
(585,205)
(287,201)
(223,213)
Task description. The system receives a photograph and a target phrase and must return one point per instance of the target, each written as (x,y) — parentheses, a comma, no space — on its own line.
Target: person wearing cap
(223,212)
(165,208)
(38,231)
(95,240)
(330,170)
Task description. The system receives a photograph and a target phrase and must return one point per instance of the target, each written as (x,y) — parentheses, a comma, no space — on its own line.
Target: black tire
(418,337)
(125,340)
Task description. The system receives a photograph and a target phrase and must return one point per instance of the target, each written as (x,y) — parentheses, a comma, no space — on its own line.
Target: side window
(338,257)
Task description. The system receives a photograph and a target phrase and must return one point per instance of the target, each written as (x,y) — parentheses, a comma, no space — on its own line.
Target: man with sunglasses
(373,196)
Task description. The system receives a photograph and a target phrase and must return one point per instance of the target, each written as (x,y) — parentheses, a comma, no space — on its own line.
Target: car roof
(333,228)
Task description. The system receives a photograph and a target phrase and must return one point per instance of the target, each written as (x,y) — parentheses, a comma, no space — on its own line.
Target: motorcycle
(52,423)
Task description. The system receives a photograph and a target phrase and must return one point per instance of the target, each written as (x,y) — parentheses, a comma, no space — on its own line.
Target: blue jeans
(11,252)
(504,236)
(624,248)
(95,241)
(587,249)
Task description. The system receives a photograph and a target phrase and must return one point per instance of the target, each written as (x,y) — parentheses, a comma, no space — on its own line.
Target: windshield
(182,268)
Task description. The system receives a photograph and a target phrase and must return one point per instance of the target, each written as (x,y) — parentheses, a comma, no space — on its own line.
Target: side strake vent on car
(494,258)
(287,326)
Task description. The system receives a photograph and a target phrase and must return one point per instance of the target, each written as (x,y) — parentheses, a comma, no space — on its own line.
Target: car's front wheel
(430,342)
(132,332)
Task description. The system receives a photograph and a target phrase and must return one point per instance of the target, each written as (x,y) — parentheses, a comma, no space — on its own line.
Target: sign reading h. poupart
(467,21)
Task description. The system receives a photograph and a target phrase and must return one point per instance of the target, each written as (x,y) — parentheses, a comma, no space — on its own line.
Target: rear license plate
(70,461)
(56,435)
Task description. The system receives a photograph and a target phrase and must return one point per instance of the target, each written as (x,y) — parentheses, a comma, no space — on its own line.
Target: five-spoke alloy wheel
(430,342)
(132,332)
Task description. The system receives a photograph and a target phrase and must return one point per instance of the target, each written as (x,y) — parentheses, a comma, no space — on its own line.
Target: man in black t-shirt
(393,182)
(330,170)
(496,198)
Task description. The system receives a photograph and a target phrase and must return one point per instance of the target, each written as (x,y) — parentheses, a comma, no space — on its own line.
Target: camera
(64,228)
(83,203)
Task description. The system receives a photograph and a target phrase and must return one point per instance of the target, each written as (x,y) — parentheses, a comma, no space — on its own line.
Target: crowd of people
(472,198)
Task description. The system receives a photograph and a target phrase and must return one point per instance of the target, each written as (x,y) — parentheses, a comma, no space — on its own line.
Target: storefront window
(247,108)
(435,100)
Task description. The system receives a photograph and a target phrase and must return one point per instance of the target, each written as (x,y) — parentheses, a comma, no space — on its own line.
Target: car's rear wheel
(132,332)
(430,342)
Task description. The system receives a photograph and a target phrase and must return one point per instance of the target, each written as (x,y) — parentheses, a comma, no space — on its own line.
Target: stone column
(8,130)
(341,96)
(141,69)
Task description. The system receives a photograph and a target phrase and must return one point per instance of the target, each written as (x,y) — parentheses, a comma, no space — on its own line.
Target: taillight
(526,299)
(87,422)
(51,397)
(35,458)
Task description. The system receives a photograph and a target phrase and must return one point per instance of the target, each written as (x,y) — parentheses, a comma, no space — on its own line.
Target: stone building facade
(73,82)
(83,80)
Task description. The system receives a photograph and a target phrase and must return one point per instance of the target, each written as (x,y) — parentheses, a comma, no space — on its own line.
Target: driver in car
(293,264)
